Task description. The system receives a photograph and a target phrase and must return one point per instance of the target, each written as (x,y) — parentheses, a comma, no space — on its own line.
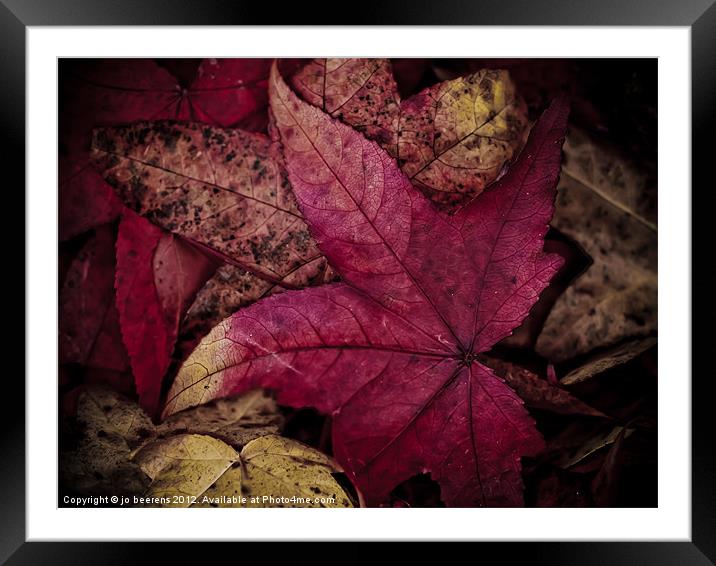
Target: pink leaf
(391,351)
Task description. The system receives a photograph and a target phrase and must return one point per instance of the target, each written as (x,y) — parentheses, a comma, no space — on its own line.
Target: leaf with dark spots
(539,393)
(89,326)
(608,205)
(360,92)
(241,209)
(456,136)
(116,91)
(391,351)
(157,277)
(451,139)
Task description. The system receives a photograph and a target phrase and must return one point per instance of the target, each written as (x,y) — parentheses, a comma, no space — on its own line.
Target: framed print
(401,280)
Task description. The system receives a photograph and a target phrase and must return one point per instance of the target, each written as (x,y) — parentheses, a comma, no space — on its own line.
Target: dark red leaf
(157,278)
(89,325)
(539,393)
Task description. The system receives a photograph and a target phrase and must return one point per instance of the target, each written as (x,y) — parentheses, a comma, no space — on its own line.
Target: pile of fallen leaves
(350,281)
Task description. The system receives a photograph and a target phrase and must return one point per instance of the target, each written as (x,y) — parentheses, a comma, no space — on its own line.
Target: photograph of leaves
(358,282)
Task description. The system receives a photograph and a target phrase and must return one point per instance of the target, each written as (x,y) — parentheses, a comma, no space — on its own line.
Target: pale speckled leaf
(107,427)
(451,139)
(607,360)
(455,137)
(209,470)
(236,420)
(360,92)
(608,206)
(225,190)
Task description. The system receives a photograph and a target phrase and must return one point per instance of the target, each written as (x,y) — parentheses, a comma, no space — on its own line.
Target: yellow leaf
(271,471)
(182,467)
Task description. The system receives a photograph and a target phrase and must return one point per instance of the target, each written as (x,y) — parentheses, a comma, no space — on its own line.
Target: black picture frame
(699,15)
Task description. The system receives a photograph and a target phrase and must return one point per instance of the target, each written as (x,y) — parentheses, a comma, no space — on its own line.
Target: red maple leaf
(391,351)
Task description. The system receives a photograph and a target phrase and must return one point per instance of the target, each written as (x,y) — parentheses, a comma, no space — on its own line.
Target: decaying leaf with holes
(452,139)
(608,206)
(103,430)
(193,470)
(236,420)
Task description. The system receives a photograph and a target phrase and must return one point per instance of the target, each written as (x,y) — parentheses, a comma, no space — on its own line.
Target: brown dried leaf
(236,420)
(106,427)
(592,445)
(608,206)
(607,360)
(605,483)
